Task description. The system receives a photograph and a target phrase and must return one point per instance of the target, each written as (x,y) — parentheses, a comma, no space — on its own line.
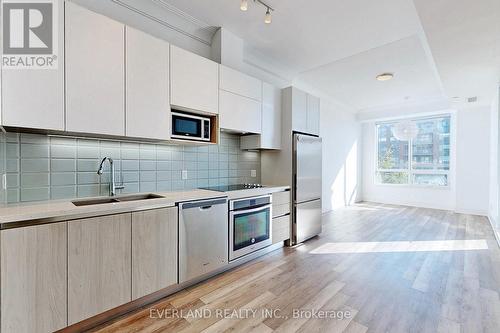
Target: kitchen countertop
(32,213)
(15,215)
(255,192)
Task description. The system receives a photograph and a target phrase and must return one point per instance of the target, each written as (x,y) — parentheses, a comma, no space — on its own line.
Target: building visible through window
(423,159)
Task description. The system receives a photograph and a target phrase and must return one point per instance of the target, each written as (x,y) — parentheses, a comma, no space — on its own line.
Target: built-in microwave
(188,126)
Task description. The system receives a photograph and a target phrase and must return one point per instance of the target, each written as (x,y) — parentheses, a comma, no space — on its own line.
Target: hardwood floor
(398,269)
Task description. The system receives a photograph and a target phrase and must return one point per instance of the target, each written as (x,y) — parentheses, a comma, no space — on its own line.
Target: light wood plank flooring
(398,269)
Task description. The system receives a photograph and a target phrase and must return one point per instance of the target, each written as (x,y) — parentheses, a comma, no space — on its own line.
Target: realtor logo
(29,34)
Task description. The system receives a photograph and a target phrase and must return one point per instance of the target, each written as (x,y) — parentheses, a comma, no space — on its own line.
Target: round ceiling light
(384,77)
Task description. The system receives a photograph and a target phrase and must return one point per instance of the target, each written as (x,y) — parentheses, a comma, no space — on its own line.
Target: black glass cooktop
(227,188)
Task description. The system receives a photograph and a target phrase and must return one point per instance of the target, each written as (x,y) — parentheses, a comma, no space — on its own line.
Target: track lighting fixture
(267,18)
(244,5)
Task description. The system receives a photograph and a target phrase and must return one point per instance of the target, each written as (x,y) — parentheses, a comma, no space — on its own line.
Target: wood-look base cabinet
(281,217)
(154,250)
(99,265)
(33,278)
(281,229)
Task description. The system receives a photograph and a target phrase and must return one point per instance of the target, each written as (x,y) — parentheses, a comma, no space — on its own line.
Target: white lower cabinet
(33,278)
(238,113)
(154,250)
(99,265)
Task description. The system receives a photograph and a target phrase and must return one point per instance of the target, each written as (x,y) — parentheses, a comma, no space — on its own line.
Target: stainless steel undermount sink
(127,198)
(137,197)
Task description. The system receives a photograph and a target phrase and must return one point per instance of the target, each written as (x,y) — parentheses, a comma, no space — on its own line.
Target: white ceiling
(437,49)
(352,79)
(464,37)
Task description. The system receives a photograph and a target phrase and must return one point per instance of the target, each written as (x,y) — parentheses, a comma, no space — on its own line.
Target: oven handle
(254,209)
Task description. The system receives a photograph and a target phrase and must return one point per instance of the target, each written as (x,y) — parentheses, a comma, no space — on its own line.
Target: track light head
(244,5)
(268,18)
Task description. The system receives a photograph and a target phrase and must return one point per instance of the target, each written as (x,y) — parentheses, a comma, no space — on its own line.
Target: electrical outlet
(184,174)
(253,173)
(4,181)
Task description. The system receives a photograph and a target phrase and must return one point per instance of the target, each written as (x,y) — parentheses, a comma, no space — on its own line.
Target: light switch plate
(184,174)
(253,173)
(4,181)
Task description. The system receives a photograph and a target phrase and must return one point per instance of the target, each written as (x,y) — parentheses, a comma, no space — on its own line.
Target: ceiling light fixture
(384,77)
(244,5)
(268,17)
(405,130)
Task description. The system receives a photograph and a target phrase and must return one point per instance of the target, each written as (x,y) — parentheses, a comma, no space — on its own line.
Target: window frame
(410,170)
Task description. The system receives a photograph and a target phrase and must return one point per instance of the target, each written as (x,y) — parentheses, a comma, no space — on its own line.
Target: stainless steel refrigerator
(306,189)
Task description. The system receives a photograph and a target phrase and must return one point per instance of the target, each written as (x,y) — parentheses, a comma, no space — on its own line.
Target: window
(423,159)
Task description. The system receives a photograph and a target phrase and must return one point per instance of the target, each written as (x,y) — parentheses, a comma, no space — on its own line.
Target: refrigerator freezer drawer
(307,220)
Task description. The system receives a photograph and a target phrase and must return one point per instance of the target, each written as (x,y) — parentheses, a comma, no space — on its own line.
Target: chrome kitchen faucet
(112,184)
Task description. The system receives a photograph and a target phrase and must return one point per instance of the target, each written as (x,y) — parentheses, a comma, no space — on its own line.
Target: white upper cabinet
(313,114)
(240,98)
(35,98)
(240,84)
(95,73)
(147,90)
(270,137)
(238,113)
(194,82)
(271,117)
(299,110)
(305,110)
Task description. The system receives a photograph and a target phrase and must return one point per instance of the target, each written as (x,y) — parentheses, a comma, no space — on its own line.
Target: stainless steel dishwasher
(203,237)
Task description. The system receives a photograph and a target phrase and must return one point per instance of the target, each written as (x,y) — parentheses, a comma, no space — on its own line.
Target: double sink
(127,198)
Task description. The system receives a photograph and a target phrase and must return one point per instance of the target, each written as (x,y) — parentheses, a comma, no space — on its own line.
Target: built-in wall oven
(249,225)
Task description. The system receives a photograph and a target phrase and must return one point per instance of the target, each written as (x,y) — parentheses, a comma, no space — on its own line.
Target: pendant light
(405,130)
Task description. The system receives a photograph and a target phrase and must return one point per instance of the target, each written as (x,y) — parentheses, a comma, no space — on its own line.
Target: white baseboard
(494,229)
(429,205)
(472,212)
(410,204)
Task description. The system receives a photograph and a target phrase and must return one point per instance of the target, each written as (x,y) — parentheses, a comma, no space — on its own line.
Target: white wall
(494,171)
(341,135)
(473,161)
(469,190)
